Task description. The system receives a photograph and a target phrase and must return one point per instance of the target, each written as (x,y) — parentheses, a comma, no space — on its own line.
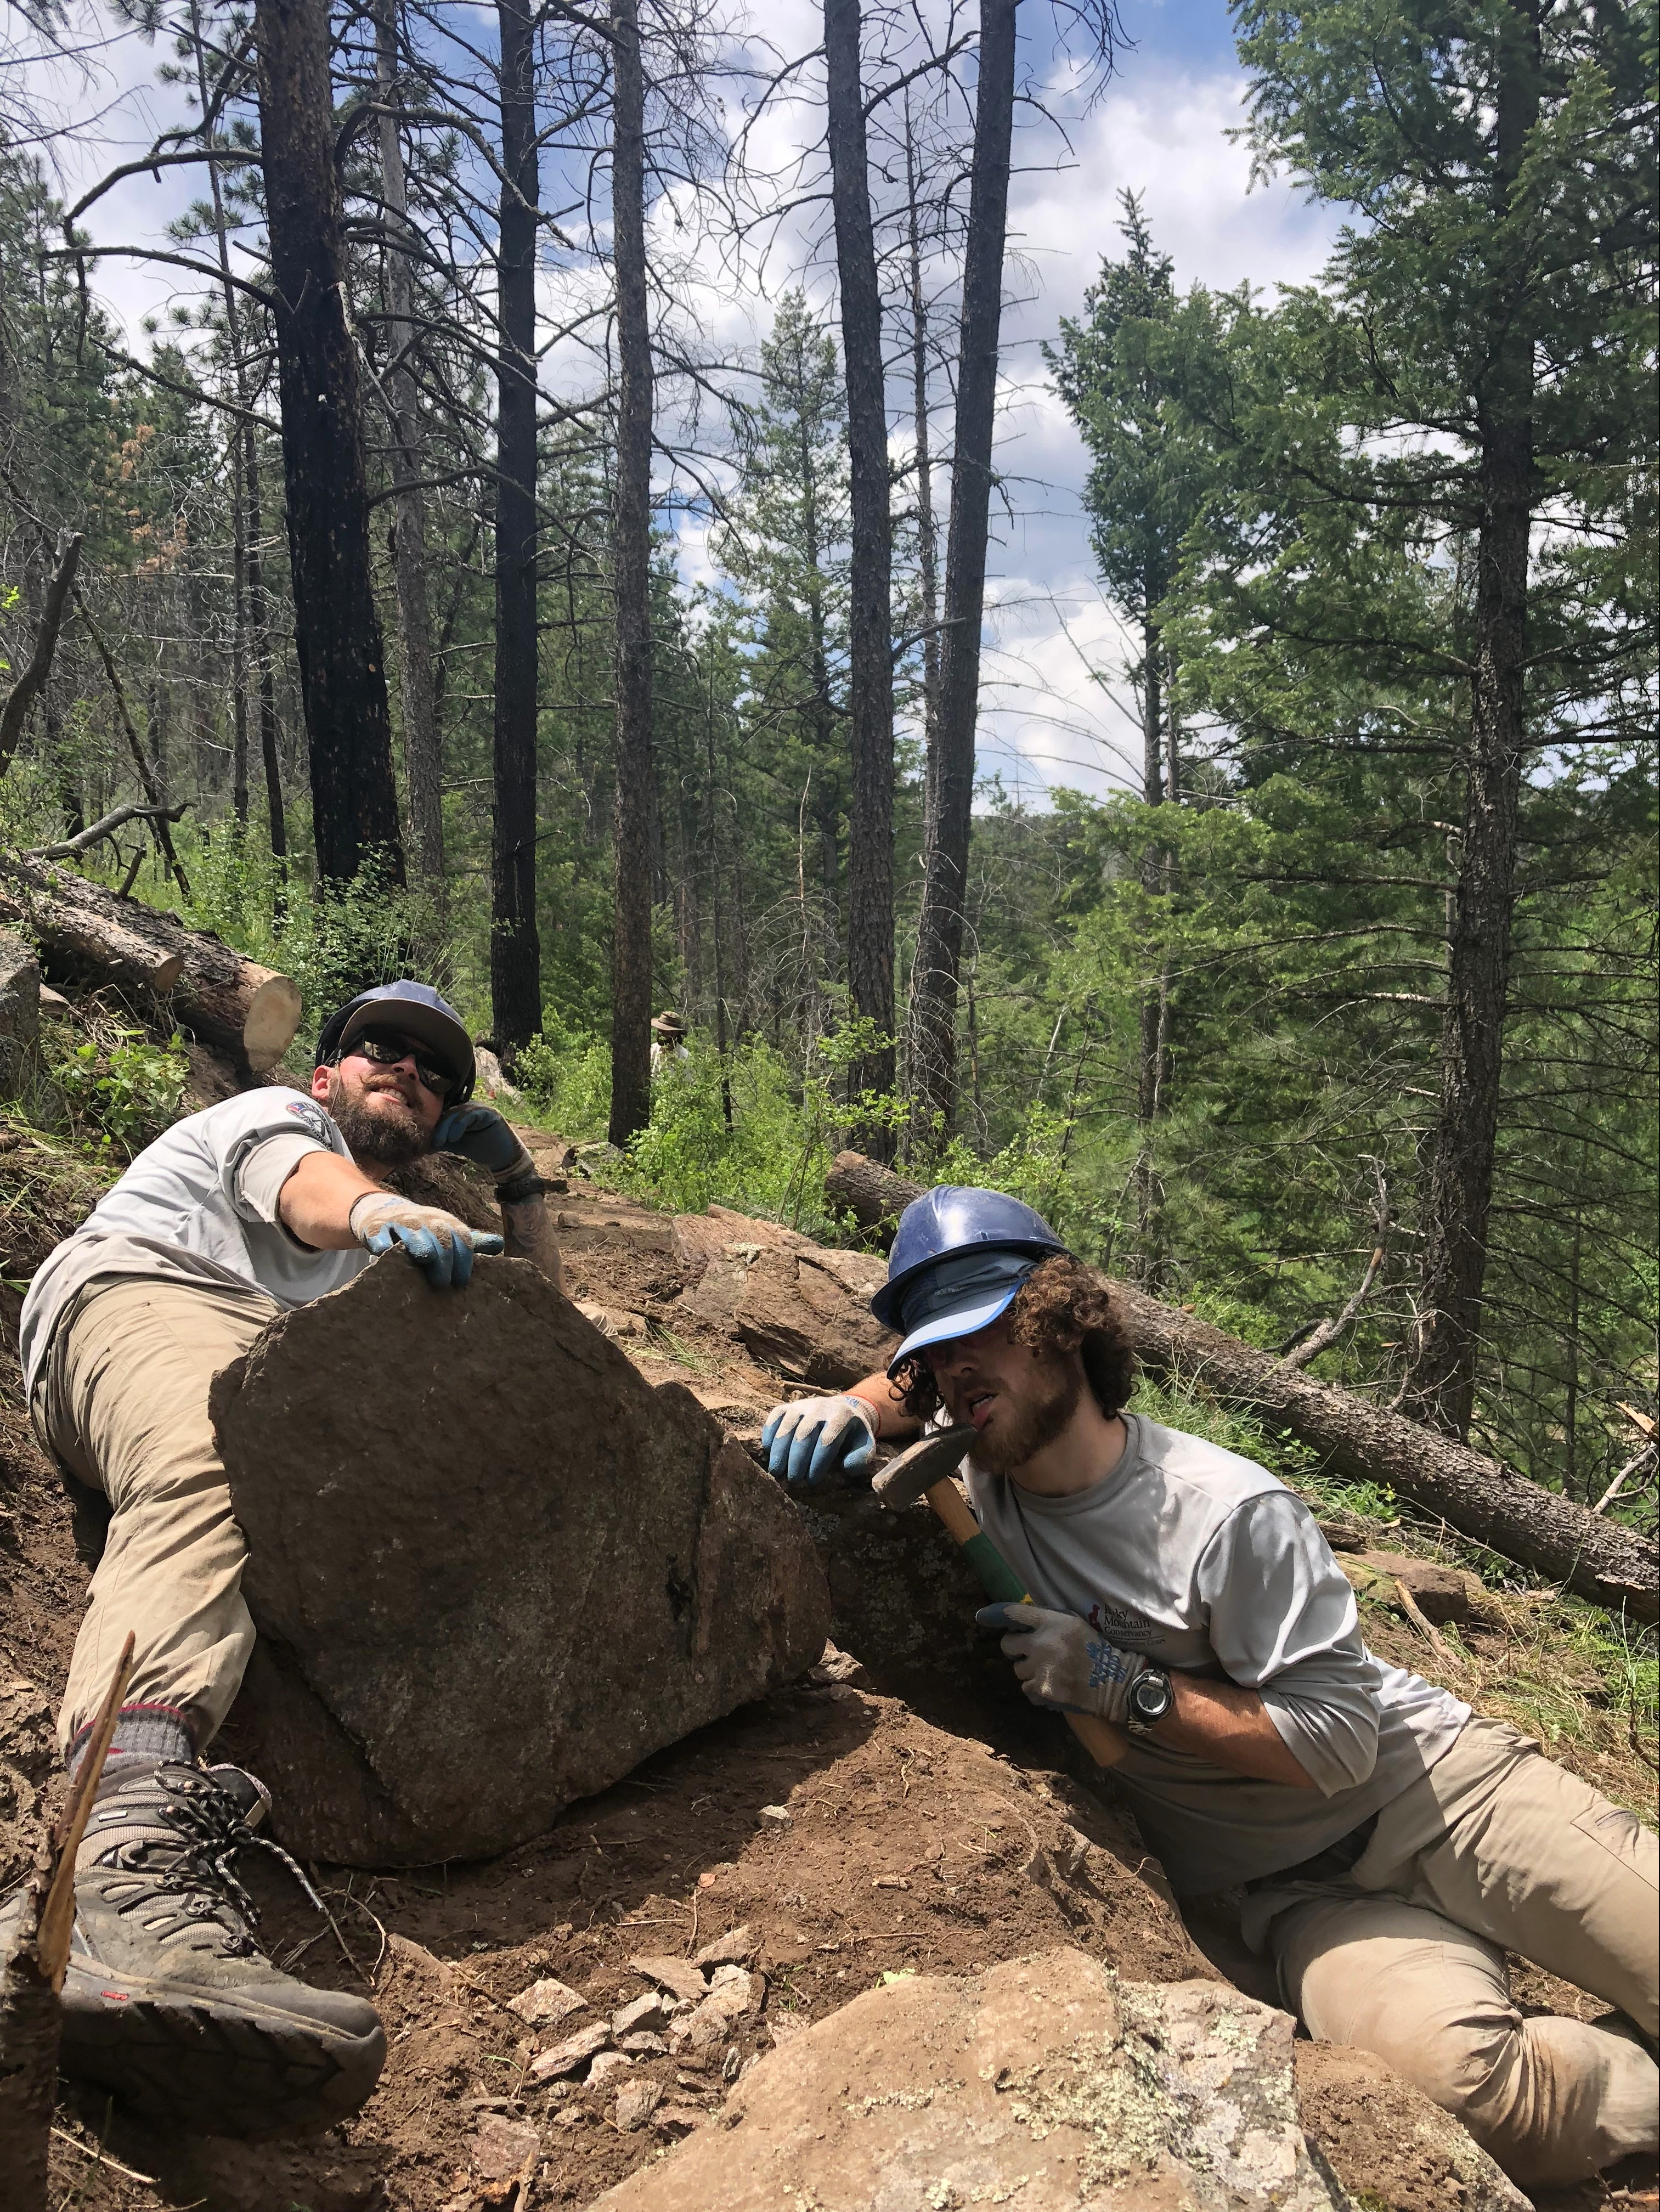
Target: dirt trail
(903,1847)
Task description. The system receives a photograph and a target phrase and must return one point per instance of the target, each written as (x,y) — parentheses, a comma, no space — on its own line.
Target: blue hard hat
(417,1010)
(957,1260)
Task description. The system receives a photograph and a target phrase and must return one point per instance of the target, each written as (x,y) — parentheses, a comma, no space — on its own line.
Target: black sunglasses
(386,1049)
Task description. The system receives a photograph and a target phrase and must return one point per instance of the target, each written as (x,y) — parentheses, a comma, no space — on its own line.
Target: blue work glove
(478,1134)
(817,1438)
(441,1244)
(1060,1661)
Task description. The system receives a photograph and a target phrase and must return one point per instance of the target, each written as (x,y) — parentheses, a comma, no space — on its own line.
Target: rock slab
(1046,2083)
(491,1568)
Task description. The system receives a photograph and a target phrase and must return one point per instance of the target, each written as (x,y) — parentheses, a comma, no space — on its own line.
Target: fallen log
(874,1195)
(1480,1498)
(98,935)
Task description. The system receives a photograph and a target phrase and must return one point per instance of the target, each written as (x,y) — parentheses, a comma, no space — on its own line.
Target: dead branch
(106,826)
(1327,1332)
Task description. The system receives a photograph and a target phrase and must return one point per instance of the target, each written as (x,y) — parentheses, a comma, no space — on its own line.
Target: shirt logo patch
(311,1119)
(1124,1624)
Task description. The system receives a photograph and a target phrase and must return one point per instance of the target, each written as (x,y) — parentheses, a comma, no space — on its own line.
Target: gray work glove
(817,1438)
(1060,1661)
(478,1134)
(440,1244)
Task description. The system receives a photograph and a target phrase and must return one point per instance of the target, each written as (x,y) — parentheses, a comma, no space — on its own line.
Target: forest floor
(910,1847)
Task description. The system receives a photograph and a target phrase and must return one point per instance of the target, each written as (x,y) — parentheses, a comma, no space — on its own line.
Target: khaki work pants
(123,1405)
(1495,1849)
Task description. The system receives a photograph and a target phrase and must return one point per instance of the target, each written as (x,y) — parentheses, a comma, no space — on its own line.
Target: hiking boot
(168,2000)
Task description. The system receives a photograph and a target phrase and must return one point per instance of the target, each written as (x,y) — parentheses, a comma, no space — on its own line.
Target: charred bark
(945,870)
(515,947)
(630,1038)
(342,677)
(423,768)
(870,812)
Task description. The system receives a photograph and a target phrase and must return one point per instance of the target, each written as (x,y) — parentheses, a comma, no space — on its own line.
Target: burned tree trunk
(515,948)
(422,771)
(1479,1497)
(631,1040)
(342,677)
(940,928)
(870,814)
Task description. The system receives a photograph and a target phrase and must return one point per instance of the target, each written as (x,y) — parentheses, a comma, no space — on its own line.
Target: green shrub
(565,1076)
(120,1093)
(770,1159)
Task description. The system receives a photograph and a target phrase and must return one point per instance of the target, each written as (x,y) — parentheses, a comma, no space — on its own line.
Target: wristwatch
(1150,1698)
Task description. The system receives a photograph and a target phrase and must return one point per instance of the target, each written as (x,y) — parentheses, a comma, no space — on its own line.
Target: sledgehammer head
(928,1461)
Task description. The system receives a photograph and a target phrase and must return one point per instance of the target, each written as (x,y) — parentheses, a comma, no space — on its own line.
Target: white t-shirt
(199,1206)
(1206,1564)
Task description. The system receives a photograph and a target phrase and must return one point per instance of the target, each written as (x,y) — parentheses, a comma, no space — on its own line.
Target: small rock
(678,1976)
(544,2003)
(779,1814)
(712,2020)
(736,1948)
(678,2119)
(501,2148)
(607,2064)
(574,2051)
(732,2065)
(53,1002)
(636,2103)
(647,2011)
(642,2043)
(838,1666)
(786,2024)
(1440,1592)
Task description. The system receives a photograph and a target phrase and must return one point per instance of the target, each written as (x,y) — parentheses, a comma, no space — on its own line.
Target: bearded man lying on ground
(1392,1847)
(261,1203)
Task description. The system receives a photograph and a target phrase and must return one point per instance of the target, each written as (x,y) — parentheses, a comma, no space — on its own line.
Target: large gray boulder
(1047,2084)
(491,1568)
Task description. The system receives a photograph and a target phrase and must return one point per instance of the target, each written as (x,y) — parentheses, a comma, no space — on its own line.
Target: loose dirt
(903,1847)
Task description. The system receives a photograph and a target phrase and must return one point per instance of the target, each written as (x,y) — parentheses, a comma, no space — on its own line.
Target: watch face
(1150,1695)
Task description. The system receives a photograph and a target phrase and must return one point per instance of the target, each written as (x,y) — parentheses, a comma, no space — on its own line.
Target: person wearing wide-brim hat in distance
(668,1040)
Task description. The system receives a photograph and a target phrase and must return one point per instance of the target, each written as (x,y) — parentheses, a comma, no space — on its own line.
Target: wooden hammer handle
(1105,1744)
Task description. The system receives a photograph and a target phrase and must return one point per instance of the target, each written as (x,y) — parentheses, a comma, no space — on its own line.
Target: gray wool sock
(145,1735)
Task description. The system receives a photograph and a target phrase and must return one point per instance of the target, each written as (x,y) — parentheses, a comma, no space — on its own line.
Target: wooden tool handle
(949,1503)
(1105,1744)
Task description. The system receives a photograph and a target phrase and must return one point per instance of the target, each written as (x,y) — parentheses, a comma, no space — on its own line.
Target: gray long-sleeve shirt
(1208,1566)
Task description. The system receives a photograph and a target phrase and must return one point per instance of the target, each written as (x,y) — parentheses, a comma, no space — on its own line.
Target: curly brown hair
(1061,1306)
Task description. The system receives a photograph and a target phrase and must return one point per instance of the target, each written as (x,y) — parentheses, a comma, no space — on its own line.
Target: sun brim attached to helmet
(965,1323)
(963,1294)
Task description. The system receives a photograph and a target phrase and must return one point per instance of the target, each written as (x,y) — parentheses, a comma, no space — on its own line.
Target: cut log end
(272,1018)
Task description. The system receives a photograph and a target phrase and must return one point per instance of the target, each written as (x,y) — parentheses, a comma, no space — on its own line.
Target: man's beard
(1004,1446)
(392,1134)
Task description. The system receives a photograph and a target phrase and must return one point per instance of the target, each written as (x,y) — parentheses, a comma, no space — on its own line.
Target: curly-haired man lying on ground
(1392,1847)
